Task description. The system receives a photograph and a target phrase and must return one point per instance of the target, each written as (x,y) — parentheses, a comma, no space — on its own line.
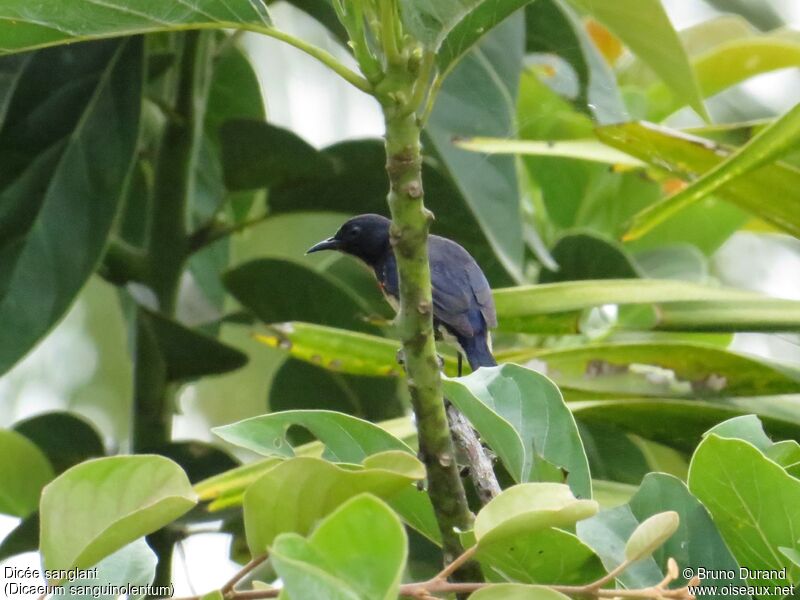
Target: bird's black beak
(330,244)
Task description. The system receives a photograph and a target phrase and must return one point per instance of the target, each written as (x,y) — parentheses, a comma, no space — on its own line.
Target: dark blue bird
(462,298)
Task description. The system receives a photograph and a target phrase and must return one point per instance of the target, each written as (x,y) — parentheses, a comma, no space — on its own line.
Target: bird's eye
(354,231)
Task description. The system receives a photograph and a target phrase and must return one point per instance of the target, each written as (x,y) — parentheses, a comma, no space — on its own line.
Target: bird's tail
(477,350)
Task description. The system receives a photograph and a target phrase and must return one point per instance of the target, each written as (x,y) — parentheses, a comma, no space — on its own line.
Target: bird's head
(365,237)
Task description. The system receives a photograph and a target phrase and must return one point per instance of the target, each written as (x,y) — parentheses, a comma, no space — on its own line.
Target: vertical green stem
(410,224)
(165,258)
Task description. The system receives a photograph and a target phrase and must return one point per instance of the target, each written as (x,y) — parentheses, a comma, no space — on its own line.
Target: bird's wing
(461,294)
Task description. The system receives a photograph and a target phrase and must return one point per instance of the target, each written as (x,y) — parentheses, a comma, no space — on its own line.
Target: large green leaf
(67,211)
(643,25)
(343,558)
(548,555)
(276,502)
(768,145)
(95,508)
(261,286)
(430,23)
(528,508)
(521,415)
(24,471)
(65,438)
(47,23)
(479,99)
(346,438)
(697,543)
(11,70)
(693,370)
(584,149)
(730,477)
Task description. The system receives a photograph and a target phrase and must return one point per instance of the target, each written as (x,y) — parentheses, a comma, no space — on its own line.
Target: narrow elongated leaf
(728,64)
(10,71)
(728,476)
(343,558)
(643,25)
(346,438)
(94,509)
(26,26)
(24,470)
(695,543)
(590,150)
(693,370)
(274,504)
(430,23)
(522,417)
(479,99)
(767,146)
(74,210)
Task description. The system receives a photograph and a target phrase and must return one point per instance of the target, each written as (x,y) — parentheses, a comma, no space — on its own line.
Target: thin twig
(247,569)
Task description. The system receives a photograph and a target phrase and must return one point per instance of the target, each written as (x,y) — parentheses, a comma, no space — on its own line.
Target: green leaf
(651,534)
(527,508)
(485,15)
(675,423)
(478,99)
(65,438)
(24,471)
(696,543)
(299,385)
(44,24)
(187,353)
(275,504)
(257,154)
(729,477)
(545,556)
(343,558)
(254,284)
(643,25)
(668,369)
(430,24)
(728,64)
(516,591)
(522,416)
(336,349)
(589,150)
(346,438)
(97,507)
(133,565)
(681,306)
(767,146)
(552,27)
(11,70)
(746,427)
(612,455)
(57,185)
(586,255)
(199,460)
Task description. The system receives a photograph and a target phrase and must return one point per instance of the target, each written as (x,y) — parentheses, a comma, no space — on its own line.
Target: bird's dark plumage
(462,298)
